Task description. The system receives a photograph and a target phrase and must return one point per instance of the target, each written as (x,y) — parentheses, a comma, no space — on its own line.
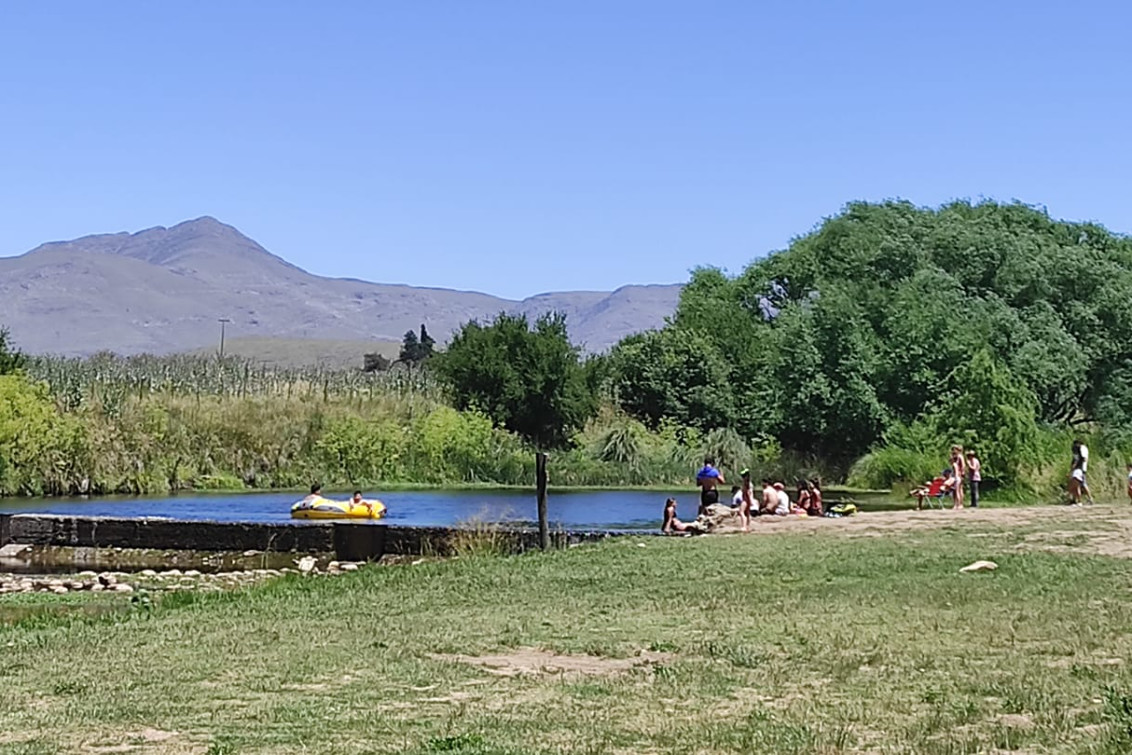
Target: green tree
(425,344)
(528,380)
(986,408)
(11,359)
(860,325)
(414,349)
(410,348)
(673,373)
(39,448)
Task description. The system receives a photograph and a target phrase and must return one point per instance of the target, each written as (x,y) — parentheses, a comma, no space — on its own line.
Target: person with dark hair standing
(708,478)
(974,476)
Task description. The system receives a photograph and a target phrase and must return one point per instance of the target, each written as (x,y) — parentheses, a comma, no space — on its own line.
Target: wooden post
(540,485)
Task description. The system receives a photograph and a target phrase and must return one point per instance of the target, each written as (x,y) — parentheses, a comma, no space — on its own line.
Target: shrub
(39,448)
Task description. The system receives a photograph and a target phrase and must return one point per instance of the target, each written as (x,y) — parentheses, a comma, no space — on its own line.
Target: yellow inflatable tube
(317,507)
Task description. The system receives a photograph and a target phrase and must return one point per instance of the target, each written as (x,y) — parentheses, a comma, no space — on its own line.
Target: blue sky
(520,147)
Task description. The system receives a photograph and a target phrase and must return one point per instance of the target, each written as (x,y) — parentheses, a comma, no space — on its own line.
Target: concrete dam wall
(348,541)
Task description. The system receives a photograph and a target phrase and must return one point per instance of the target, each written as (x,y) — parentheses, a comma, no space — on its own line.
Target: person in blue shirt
(708,479)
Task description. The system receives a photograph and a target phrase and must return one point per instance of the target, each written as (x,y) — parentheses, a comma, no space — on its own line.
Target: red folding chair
(933,492)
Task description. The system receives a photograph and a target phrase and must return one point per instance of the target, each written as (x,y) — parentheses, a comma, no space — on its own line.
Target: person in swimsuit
(817,508)
(770,498)
(803,496)
(671,523)
(315,494)
(357,500)
(959,472)
(708,478)
(746,500)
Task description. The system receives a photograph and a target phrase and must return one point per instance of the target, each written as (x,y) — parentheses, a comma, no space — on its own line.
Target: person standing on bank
(747,500)
(708,479)
(1081,461)
(974,477)
(958,473)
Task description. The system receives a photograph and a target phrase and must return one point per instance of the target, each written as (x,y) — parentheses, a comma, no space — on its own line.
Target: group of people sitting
(774,500)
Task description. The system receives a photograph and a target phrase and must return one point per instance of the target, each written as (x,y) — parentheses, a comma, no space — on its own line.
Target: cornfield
(108,379)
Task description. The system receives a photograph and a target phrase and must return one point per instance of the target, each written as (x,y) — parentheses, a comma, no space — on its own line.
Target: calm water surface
(607,509)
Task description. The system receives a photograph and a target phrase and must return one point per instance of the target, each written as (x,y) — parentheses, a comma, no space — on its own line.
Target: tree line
(890,328)
(866,348)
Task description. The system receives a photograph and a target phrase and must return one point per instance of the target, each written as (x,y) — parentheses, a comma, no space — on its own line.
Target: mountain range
(163,290)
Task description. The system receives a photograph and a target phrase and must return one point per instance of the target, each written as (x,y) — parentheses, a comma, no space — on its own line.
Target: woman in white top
(783,507)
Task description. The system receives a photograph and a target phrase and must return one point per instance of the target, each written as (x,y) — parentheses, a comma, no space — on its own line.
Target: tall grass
(908,460)
(153,425)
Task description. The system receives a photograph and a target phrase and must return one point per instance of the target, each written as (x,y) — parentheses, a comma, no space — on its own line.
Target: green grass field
(832,636)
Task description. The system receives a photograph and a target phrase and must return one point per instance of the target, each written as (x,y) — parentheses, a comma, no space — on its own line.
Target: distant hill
(162,290)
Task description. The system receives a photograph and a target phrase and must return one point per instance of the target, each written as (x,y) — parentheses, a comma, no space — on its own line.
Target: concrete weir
(80,539)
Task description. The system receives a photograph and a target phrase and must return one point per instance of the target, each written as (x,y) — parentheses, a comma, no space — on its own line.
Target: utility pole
(223,321)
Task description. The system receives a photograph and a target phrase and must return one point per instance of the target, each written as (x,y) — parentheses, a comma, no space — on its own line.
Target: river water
(598,509)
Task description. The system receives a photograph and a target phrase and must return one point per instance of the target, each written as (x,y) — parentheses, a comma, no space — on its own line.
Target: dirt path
(1104,529)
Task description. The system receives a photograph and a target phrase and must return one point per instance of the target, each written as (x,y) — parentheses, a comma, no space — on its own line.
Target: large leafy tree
(527,379)
(863,324)
(676,374)
(988,408)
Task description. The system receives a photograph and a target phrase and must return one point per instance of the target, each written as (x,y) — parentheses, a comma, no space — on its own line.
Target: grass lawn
(825,637)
